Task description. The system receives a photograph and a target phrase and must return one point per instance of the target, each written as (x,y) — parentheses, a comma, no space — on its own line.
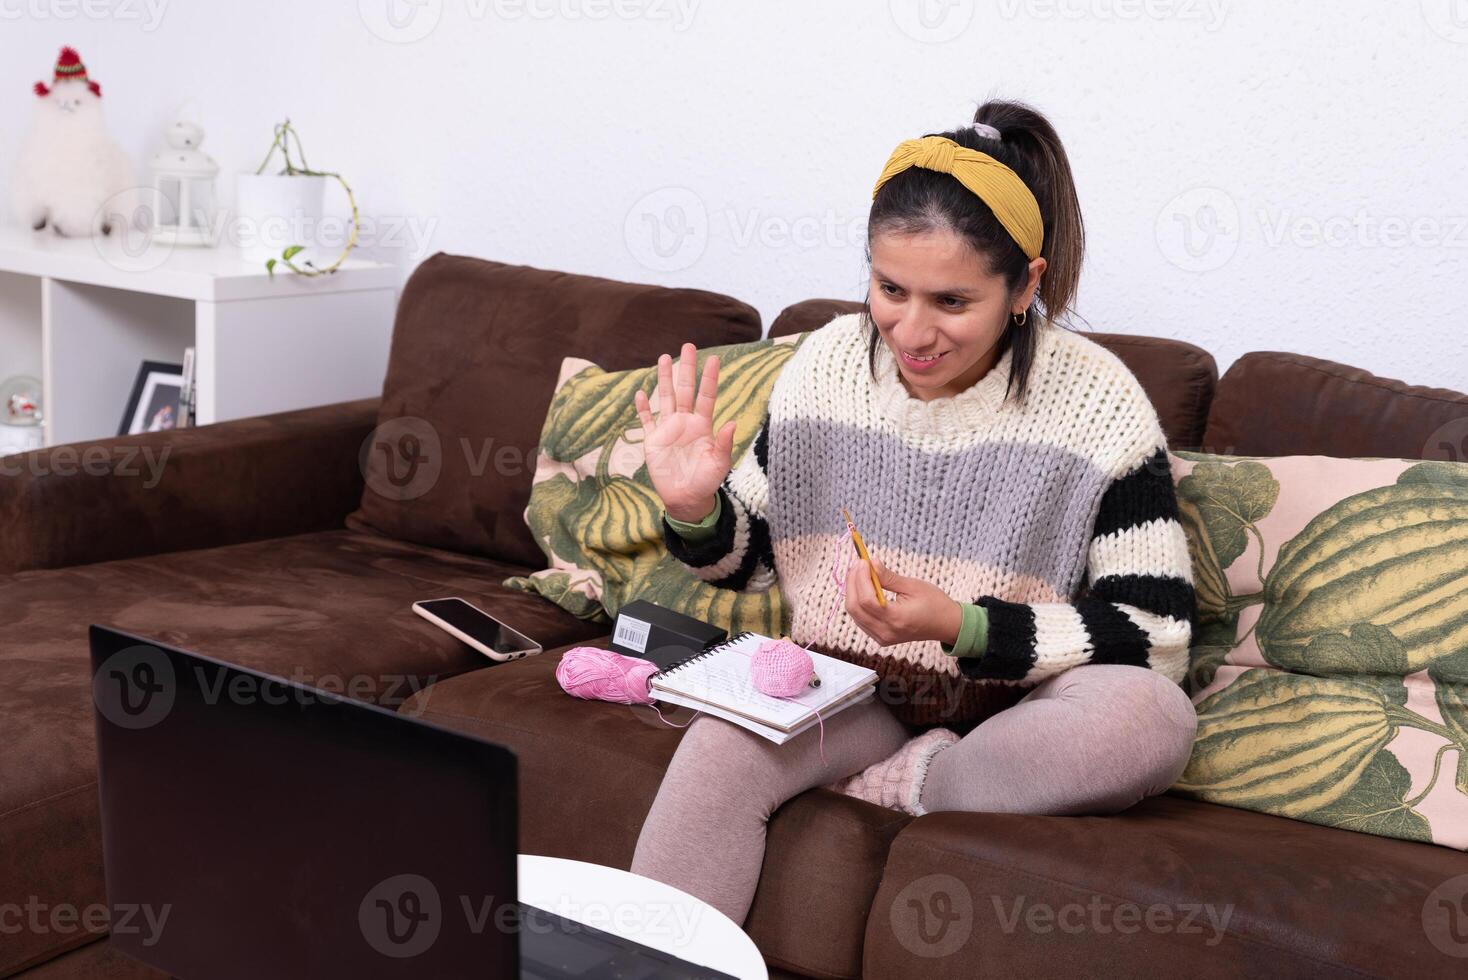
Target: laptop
(257,827)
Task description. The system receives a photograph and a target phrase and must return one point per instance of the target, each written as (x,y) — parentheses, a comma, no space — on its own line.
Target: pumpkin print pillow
(593,508)
(1330,666)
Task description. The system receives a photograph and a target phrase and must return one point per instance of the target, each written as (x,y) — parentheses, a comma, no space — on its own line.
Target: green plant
(285,135)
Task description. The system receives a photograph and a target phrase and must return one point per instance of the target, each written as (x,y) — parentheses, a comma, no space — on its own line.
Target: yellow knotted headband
(996,184)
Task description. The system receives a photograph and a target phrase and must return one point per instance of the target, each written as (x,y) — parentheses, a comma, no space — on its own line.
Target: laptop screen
(255,827)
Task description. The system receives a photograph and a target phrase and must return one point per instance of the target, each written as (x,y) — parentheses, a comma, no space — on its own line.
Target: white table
(640,909)
(84,313)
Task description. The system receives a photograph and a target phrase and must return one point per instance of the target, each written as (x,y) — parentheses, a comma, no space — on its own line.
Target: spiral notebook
(717,682)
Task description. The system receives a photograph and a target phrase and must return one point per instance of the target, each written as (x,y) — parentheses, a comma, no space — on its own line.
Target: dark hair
(918,200)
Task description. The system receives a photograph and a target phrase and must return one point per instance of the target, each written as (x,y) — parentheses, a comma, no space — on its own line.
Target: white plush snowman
(71,176)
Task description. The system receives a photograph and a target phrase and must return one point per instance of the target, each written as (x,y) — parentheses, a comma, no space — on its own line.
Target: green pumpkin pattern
(601,527)
(1372,589)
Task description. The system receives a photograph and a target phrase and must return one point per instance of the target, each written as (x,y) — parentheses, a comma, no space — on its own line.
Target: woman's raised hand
(686,459)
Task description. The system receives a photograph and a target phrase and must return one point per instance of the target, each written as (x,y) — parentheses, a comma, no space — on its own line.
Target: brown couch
(295,543)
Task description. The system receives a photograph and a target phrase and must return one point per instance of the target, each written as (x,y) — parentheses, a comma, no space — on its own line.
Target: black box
(649,632)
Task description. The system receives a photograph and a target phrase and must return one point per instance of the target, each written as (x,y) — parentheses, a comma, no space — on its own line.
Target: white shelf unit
(82,314)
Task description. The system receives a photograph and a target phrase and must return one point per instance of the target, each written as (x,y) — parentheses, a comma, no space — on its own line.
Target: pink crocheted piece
(897,781)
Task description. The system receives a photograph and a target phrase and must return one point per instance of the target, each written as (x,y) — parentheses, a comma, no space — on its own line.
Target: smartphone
(477,628)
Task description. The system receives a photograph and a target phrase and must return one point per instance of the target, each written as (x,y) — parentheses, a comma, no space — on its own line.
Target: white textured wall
(732,145)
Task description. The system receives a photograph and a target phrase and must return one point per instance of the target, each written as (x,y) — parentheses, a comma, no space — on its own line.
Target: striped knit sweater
(1058,517)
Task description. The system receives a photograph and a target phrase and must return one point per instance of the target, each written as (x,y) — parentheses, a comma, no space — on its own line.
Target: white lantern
(183,188)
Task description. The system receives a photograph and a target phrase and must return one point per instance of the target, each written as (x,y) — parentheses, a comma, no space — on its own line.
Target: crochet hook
(861,549)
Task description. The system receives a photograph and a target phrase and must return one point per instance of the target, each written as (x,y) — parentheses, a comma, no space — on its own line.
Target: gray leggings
(1094,739)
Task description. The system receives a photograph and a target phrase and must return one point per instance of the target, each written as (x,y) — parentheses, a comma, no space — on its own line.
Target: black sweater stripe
(1010,650)
(1145,494)
(716,549)
(1115,639)
(709,552)
(1165,595)
(758,545)
(754,556)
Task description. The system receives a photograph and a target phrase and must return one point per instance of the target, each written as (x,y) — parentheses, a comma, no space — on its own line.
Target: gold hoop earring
(1020,317)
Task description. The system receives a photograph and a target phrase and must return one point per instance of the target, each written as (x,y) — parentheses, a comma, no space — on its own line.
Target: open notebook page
(722,678)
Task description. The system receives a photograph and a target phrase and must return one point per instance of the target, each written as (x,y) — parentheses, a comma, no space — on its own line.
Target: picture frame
(154,404)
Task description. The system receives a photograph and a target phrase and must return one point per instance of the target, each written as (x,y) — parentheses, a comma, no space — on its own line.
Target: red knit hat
(69,67)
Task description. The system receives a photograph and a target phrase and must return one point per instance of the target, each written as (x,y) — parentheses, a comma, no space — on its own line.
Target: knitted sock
(897,781)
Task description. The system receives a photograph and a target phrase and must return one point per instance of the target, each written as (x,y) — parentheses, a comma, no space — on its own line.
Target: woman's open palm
(686,459)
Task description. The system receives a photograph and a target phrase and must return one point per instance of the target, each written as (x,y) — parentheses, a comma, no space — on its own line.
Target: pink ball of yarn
(604,675)
(781,668)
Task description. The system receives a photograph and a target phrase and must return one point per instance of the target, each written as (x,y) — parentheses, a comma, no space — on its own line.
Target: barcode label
(631,633)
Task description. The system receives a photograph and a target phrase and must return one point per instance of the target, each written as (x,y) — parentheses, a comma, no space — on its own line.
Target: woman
(994,460)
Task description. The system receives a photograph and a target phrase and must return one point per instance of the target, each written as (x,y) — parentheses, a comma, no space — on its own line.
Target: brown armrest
(244,480)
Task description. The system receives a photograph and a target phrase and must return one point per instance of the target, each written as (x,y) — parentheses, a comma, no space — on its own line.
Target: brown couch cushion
(475,353)
(98,959)
(1271,403)
(94,960)
(1299,900)
(332,608)
(589,771)
(809,314)
(247,479)
(1178,377)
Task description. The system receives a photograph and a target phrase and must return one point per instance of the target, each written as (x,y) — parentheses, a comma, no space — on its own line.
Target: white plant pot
(274,212)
